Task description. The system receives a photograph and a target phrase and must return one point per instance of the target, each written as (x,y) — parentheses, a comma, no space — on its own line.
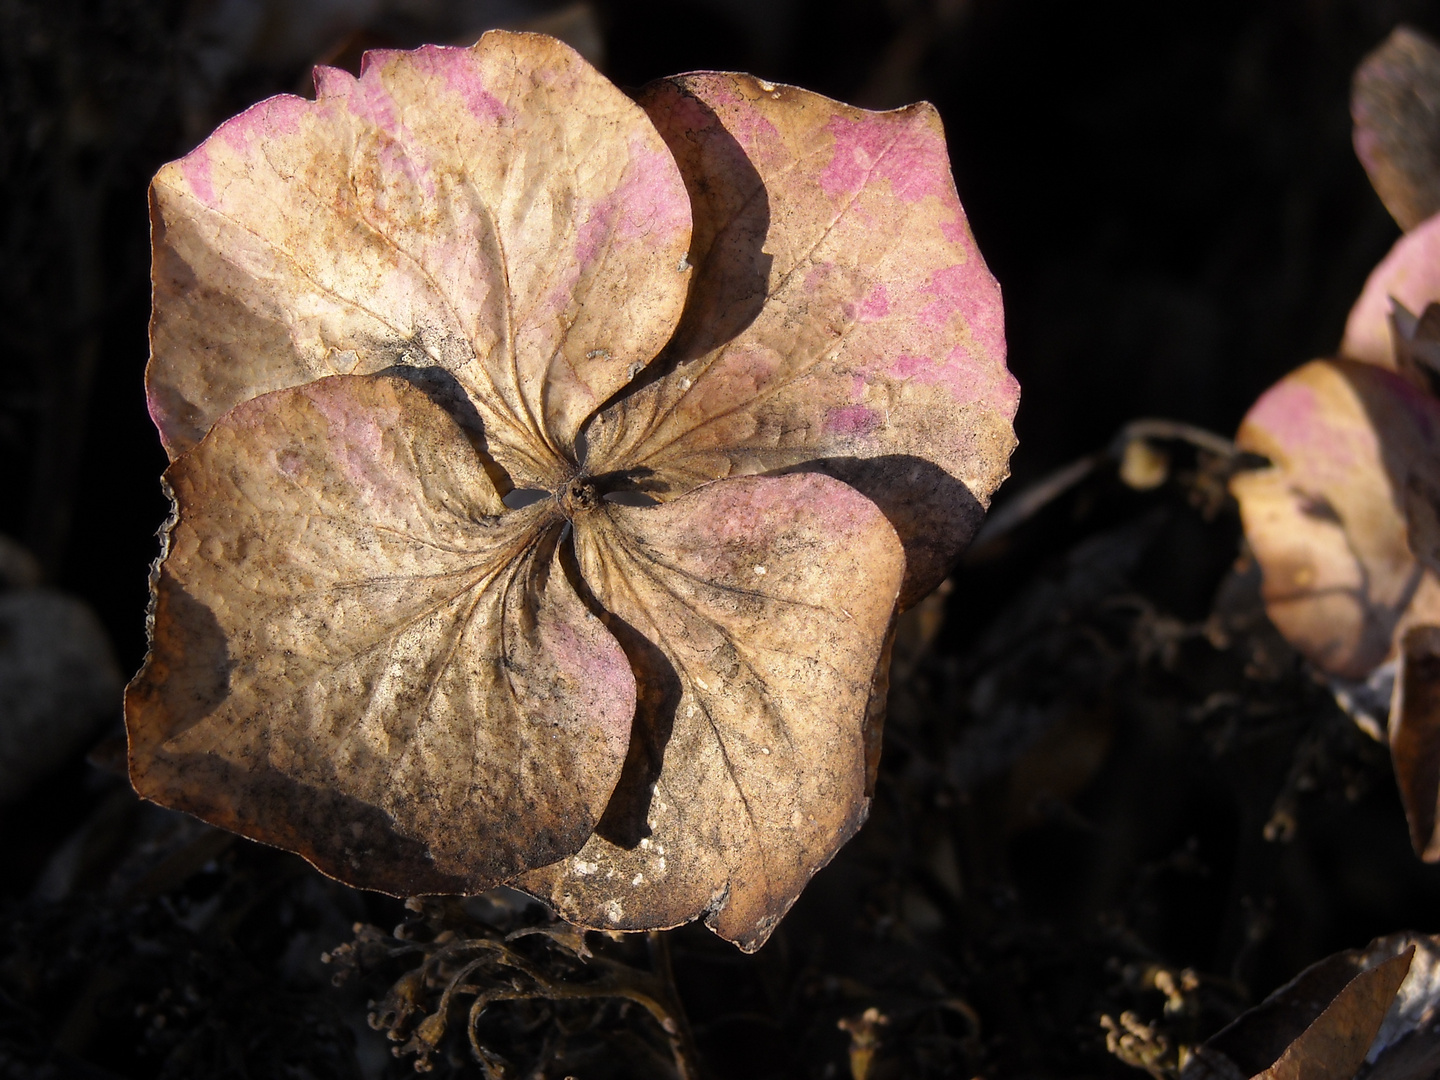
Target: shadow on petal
(442,387)
(343,837)
(658,692)
(190,650)
(731,220)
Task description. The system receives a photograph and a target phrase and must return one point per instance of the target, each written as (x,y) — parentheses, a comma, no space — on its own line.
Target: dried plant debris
(154,948)
(1395,103)
(916,923)
(1138,1044)
(1334,1046)
(459,538)
(1362,1014)
(1415,736)
(497,981)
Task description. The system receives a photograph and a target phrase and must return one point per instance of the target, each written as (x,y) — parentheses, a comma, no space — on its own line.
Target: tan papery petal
(502,214)
(357,656)
(841,319)
(760,606)
(1337,522)
(1409,274)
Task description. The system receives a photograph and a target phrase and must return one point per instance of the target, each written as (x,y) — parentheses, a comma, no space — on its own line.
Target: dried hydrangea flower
(1345,520)
(547,468)
(1354,453)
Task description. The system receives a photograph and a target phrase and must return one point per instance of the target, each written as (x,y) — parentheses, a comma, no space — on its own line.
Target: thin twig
(1031,500)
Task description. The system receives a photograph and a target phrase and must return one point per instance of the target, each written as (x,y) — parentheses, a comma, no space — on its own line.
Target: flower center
(579,494)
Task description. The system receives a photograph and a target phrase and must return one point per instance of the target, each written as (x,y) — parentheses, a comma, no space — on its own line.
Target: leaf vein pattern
(449,303)
(743,651)
(664,642)
(654,452)
(299,268)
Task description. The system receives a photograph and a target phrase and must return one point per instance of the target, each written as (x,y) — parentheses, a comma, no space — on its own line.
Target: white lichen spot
(614,911)
(760,571)
(701,683)
(685,383)
(765,750)
(598,354)
(683,264)
(582,867)
(644,842)
(634,369)
(638,879)
(660,865)
(689,711)
(768,87)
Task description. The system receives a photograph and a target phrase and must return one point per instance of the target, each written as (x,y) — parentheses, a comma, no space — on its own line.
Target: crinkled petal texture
(356,656)
(841,317)
(764,602)
(472,270)
(1342,522)
(1410,274)
(501,213)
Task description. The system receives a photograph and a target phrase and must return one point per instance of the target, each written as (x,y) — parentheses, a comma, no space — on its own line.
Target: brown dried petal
(1395,103)
(357,656)
(841,317)
(1339,521)
(1397,1048)
(502,213)
(1415,736)
(766,601)
(1334,1046)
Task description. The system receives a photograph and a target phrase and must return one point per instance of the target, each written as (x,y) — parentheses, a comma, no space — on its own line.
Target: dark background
(1168,196)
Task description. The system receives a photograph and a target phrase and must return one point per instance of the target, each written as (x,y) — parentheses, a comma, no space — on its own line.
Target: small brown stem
(1031,500)
(653,990)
